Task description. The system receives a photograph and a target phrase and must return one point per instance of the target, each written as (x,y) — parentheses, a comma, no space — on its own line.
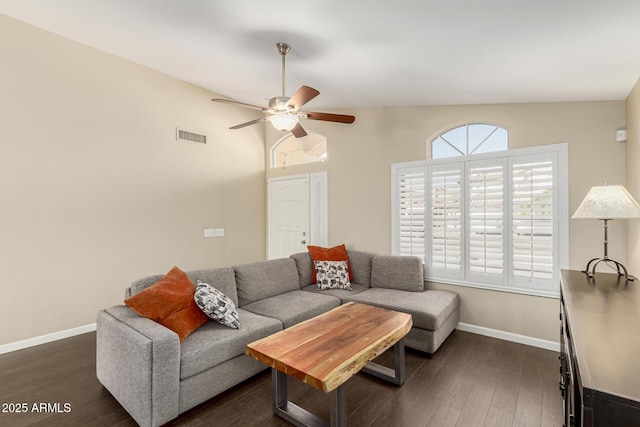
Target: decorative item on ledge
(607,202)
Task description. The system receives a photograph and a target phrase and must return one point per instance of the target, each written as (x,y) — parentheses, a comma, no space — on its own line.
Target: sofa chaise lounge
(156,378)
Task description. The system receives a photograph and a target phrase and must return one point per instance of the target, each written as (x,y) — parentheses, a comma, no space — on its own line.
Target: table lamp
(607,202)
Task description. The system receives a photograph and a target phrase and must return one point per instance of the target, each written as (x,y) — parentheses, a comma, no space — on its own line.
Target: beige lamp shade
(608,202)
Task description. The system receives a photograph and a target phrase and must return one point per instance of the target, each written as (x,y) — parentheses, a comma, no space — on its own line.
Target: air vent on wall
(185,135)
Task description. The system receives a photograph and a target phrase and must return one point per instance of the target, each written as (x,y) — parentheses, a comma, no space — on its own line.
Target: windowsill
(529,292)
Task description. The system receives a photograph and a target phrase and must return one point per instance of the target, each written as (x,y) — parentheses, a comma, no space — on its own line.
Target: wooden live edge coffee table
(327,350)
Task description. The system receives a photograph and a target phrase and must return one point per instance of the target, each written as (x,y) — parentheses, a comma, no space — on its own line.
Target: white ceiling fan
(284,112)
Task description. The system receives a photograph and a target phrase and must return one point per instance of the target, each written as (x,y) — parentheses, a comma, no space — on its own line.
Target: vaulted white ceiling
(362,53)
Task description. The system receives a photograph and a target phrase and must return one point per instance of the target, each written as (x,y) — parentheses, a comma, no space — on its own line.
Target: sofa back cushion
(360,263)
(304,267)
(264,279)
(222,279)
(361,267)
(397,272)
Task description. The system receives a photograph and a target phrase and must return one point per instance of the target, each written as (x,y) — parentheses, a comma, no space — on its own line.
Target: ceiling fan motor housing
(280,104)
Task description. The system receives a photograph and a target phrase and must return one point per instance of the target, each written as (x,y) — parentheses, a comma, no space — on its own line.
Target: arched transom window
(470,138)
(289,150)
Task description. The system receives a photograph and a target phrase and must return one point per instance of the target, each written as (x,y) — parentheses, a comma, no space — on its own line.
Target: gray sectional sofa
(156,378)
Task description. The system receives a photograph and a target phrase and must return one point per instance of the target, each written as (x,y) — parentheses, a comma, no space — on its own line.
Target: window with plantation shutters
(497,220)
(486,217)
(410,186)
(533,222)
(445,247)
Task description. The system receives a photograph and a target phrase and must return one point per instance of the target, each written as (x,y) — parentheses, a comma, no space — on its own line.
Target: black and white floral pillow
(216,305)
(332,275)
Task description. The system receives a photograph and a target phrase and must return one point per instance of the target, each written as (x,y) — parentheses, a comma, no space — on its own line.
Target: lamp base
(622,271)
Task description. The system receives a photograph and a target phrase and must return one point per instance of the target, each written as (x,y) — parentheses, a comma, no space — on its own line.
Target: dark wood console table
(600,350)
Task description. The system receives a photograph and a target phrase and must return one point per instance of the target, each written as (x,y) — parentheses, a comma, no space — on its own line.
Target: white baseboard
(43,339)
(480,330)
(509,336)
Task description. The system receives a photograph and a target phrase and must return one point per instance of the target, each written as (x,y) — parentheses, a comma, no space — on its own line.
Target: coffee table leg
(338,399)
(302,418)
(395,375)
(279,390)
(398,362)
(293,413)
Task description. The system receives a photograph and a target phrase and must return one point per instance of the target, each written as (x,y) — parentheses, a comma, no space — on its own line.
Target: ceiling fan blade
(302,96)
(252,122)
(298,131)
(329,117)
(242,104)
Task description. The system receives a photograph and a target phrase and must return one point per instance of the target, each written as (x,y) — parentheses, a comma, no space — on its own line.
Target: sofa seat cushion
(428,309)
(214,343)
(339,293)
(294,307)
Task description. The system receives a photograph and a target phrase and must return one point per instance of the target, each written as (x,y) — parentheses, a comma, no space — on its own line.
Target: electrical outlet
(209,232)
(219,232)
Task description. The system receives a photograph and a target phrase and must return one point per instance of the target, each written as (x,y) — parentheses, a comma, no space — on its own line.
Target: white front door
(288,216)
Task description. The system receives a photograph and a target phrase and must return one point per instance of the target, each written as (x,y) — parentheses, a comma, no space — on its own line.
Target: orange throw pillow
(170,302)
(337,253)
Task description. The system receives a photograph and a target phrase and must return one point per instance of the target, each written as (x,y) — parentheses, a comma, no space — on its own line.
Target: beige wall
(359,168)
(95,190)
(633,177)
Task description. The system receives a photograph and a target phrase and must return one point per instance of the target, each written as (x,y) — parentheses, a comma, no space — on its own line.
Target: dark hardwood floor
(471,381)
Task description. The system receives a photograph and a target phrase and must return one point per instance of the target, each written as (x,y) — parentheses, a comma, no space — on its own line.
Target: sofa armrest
(138,361)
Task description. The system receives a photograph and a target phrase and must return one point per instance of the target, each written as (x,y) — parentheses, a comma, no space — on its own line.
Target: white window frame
(506,282)
(273,152)
(467,152)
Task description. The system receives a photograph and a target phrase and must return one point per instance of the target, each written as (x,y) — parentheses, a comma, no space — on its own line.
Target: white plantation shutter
(486,218)
(533,210)
(410,200)
(445,255)
(496,221)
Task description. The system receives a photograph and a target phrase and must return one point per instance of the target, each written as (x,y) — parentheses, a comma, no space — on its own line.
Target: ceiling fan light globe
(283,122)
